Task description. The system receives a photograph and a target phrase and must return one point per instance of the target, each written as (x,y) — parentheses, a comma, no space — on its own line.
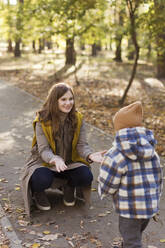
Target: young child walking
(132,174)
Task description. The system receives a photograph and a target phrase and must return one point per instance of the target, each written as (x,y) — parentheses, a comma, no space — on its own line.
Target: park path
(71,227)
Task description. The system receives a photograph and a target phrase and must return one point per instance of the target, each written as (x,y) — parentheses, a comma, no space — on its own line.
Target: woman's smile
(66,102)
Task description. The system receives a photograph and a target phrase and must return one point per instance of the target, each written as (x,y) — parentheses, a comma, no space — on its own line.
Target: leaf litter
(102,92)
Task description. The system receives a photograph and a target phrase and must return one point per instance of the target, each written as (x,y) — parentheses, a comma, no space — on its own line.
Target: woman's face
(66,102)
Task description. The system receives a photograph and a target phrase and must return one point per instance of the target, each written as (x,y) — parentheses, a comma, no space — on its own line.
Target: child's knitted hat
(129,116)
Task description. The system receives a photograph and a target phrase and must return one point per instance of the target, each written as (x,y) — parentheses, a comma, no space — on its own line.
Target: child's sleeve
(109,177)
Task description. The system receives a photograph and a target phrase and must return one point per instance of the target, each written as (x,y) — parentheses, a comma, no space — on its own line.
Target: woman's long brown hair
(50,111)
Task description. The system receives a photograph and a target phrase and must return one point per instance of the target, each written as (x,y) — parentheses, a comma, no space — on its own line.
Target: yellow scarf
(47,129)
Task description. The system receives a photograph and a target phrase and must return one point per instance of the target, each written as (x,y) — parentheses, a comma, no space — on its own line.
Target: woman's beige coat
(42,153)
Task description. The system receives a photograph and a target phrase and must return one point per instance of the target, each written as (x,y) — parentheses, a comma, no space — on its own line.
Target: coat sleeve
(44,149)
(109,176)
(83,147)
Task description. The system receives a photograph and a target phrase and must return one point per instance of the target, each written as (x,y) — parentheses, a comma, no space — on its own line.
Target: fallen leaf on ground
(5,199)
(32,232)
(81,224)
(102,215)
(7,207)
(3,180)
(24,230)
(51,237)
(17,188)
(20,210)
(91,221)
(71,243)
(46,232)
(37,225)
(35,245)
(9,228)
(23,223)
(50,223)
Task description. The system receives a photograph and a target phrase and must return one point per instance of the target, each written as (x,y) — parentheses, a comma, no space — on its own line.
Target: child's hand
(97,156)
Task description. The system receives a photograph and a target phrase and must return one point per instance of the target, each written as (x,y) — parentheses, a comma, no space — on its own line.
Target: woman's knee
(83,177)
(41,179)
(88,177)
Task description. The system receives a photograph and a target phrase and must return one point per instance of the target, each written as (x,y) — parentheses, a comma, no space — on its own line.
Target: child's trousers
(131,231)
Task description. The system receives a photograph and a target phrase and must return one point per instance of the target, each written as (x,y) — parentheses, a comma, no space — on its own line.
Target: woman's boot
(87,195)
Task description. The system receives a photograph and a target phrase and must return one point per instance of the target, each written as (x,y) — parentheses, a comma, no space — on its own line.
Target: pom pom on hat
(129,116)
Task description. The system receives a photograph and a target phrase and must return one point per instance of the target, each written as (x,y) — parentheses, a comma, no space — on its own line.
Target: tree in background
(19,28)
(119,14)
(132,6)
(73,16)
(91,22)
(99,20)
(9,22)
(159,30)
(7,13)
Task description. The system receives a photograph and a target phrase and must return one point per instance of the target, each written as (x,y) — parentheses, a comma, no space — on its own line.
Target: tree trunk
(118,50)
(99,47)
(17,51)
(19,28)
(149,48)
(40,41)
(34,46)
(49,44)
(70,54)
(131,50)
(9,23)
(160,65)
(118,18)
(160,37)
(94,50)
(43,43)
(82,45)
(118,38)
(131,78)
(132,12)
(10,47)
(110,43)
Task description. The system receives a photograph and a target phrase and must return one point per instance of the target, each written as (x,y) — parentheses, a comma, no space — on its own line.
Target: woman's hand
(97,156)
(59,164)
